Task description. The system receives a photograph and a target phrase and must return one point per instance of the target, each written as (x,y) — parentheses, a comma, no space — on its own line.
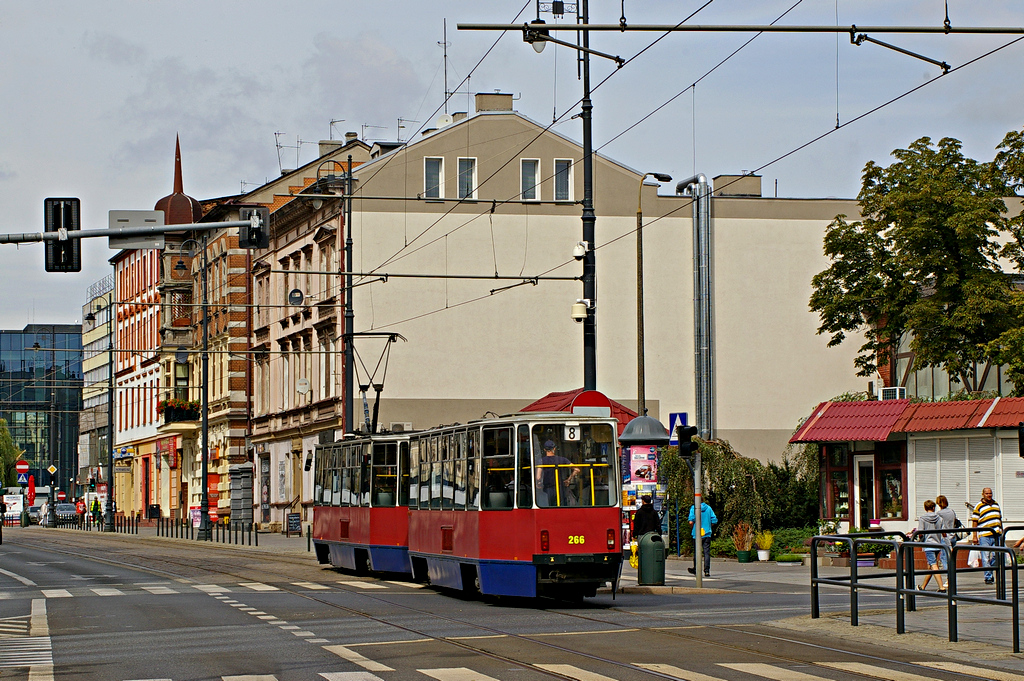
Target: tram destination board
(294,524)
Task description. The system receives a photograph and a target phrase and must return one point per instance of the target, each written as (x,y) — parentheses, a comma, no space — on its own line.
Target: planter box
(789,563)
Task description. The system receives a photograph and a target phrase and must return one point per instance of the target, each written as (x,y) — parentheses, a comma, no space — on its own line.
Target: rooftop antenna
(444,46)
(298,146)
(277,141)
(367,125)
(330,132)
(402,127)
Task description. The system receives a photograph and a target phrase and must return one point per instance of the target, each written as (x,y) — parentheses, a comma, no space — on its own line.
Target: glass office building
(41,397)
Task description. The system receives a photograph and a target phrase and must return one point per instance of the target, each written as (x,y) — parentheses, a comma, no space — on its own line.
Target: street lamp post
(204,532)
(641,404)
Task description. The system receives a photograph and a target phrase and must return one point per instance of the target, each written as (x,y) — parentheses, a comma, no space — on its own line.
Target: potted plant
(764,540)
(743,539)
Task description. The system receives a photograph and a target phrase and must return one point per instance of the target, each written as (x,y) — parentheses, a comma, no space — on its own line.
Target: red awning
(848,421)
(926,417)
(1007,412)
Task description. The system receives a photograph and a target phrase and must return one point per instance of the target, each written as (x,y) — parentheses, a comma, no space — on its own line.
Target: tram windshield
(574,465)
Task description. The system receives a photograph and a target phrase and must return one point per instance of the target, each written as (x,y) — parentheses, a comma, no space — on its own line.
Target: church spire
(178,186)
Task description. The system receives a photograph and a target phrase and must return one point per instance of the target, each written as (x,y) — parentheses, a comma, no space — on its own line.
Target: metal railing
(905,586)
(231,533)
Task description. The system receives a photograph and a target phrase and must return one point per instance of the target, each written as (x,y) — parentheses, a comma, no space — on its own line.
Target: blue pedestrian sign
(675,419)
(22,478)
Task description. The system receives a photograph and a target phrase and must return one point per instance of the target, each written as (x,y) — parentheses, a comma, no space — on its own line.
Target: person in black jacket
(646,519)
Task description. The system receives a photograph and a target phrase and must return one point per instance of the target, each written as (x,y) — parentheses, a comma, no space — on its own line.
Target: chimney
(493,101)
(458,116)
(327,146)
(351,137)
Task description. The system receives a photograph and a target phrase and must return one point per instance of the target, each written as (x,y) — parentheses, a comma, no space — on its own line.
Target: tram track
(665,629)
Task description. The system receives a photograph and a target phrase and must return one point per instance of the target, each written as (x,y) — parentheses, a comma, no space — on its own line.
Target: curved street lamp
(641,404)
(205,531)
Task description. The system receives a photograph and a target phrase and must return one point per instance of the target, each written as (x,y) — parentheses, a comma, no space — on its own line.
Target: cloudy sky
(93,93)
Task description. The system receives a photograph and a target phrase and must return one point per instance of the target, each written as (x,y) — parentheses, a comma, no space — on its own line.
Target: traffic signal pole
(32,237)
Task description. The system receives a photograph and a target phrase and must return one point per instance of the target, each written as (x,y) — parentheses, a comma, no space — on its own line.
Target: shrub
(764,540)
(723,547)
(789,558)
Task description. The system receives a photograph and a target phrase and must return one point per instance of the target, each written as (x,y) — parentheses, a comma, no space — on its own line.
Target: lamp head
(662,177)
(536,35)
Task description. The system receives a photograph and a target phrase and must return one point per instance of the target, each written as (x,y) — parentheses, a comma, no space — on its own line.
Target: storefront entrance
(864,494)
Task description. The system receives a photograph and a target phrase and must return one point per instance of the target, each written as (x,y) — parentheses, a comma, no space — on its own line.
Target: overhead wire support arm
(864,38)
(740,28)
(387,275)
(531,34)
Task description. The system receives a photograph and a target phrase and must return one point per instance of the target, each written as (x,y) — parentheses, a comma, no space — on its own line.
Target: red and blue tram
(521,505)
(360,512)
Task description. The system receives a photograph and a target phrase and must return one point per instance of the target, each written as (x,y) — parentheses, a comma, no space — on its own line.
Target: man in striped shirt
(989,521)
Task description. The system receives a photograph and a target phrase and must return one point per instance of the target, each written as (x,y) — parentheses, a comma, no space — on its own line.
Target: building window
(433,178)
(563,179)
(528,172)
(467,178)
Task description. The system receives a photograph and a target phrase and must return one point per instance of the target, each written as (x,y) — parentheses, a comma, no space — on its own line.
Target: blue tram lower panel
(521,578)
(382,558)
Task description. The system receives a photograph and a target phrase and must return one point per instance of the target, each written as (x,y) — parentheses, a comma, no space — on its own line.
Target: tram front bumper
(568,568)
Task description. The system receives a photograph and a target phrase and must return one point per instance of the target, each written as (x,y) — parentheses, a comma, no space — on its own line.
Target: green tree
(9,454)
(923,260)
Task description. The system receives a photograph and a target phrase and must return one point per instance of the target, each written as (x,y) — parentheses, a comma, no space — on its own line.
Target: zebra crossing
(172,588)
(747,671)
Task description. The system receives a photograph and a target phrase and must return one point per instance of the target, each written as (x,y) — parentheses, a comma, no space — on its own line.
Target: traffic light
(685,434)
(257,233)
(62,216)
(92,484)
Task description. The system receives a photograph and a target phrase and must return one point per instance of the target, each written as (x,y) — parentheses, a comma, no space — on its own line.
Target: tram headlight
(545,541)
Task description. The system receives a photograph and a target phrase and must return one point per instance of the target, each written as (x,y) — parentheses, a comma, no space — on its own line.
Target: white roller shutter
(982,467)
(952,473)
(1012,500)
(925,474)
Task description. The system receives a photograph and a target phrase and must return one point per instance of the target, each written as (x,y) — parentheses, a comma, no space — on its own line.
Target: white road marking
(456,674)
(411,585)
(159,590)
(56,593)
(880,672)
(355,658)
(304,634)
(672,670)
(289,627)
(574,672)
(249,677)
(310,585)
(24,580)
(982,672)
(350,676)
(258,586)
(317,640)
(212,588)
(101,591)
(770,671)
(39,625)
(363,585)
(266,617)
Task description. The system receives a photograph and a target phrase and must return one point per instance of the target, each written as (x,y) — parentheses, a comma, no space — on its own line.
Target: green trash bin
(651,557)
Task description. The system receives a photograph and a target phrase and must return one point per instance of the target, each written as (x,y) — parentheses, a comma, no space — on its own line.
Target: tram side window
(364,475)
(498,468)
(346,477)
(579,469)
(385,473)
(319,474)
(415,452)
(473,470)
(460,446)
(424,473)
(447,472)
(524,490)
(435,472)
(336,476)
(403,474)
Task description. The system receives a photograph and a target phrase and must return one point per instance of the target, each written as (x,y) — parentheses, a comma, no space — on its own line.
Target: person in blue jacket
(707,520)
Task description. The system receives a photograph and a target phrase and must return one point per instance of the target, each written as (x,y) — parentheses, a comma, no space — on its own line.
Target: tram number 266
(577,539)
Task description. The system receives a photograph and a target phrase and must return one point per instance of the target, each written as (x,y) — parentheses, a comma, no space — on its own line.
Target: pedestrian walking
(646,519)
(707,519)
(95,510)
(988,523)
(949,522)
(930,520)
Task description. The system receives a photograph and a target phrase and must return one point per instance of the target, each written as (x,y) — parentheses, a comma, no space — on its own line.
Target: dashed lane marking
(104,591)
(410,585)
(573,672)
(456,674)
(310,585)
(56,593)
(363,585)
(212,588)
(258,586)
(355,658)
(672,670)
(350,676)
(159,590)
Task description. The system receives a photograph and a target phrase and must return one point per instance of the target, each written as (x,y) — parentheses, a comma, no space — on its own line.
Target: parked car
(33,513)
(66,512)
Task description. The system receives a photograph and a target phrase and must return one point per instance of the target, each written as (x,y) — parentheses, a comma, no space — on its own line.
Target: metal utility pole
(589,220)
(108,525)
(349,337)
(204,504)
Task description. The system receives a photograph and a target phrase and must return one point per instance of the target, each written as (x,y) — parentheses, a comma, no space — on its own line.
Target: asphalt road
(92,607)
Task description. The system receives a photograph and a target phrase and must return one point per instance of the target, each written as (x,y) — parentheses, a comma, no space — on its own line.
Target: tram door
(865,492)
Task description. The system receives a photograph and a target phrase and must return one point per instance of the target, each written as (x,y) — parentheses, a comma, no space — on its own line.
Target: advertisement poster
(644,464)
(14,503)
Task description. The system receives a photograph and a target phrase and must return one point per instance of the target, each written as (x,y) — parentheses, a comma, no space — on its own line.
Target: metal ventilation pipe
(698,188)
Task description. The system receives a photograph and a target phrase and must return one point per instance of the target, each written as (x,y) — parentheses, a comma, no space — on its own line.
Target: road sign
(22,478)
(21,466)
(52,469)
(62,495)
(675,419)
(135,218)
(591,403)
